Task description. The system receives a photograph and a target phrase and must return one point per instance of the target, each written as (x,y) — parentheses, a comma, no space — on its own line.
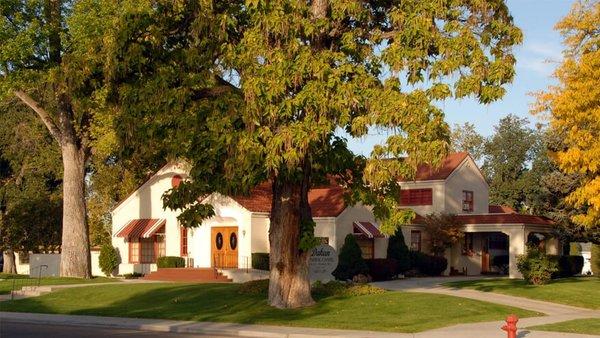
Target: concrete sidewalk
(479,330)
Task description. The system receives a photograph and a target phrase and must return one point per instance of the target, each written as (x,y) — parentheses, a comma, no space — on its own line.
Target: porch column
(516,247)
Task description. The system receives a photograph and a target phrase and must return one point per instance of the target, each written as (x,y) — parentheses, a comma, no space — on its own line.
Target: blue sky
(536,57)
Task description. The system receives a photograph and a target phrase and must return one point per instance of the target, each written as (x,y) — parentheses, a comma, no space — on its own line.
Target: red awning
(368,229)
(141,228)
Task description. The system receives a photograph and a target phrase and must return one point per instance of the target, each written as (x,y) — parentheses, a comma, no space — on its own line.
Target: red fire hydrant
(511,326)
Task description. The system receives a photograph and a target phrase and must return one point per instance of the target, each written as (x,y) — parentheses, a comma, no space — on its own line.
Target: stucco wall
(467,177)
(146,202)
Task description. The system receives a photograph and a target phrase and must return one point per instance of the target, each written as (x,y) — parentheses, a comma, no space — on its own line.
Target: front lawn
(6,281)
(576,291)
(582,326)
(387,311)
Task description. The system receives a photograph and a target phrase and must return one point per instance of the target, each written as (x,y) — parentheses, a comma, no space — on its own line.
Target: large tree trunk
(289,285)
(75,250)
(10,266)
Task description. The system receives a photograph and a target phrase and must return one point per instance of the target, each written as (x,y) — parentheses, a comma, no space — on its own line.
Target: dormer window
(416,197)
(467,201)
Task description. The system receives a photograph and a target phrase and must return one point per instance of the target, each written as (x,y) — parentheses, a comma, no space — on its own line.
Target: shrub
(108,259)
(427,264)
(260,261)
(170,262)
(350,261)
(398,250)
(133,275)
(537,268)
(341,289)
(255,287)
(567,266)
(382,269)
(595,260)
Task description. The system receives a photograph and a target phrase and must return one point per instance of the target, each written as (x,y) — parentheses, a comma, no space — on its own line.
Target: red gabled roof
(325,201)
(512,218)
(425,172)
(141,228)
(500,209)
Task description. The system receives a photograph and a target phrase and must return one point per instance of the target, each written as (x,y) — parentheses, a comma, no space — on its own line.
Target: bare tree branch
(42,113)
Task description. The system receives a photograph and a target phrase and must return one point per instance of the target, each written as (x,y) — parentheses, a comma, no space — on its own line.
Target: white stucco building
(143,230)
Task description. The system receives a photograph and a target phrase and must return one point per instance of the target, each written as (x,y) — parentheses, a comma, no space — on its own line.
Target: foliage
(342,289)
(170,262)
(108,259)
(567,266)
(572,108)
(507,154)
(398,250)
(381,269)
(133,275)
(255,287)
(595,260)
(260,260)
(427,264)
(443,230)
(350,261)
(535,266)
(466,138)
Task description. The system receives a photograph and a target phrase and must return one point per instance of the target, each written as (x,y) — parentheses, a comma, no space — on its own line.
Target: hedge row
(381,269)
(170,262)
(260,261)
(567,265)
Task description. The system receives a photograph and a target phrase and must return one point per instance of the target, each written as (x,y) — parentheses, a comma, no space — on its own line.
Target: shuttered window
(416,197)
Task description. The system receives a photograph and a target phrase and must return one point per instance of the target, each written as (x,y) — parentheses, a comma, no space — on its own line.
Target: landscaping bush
(133,275)
(350,261)
(108,259)
(537,268)
(342,289)
(382,269)
(595,260)
(260,261)
(255,287)
(398,250)
(567,266)
(170,262)
(427,264)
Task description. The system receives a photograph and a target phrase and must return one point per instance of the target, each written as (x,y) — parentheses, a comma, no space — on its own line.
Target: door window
(233,241)
(219,241)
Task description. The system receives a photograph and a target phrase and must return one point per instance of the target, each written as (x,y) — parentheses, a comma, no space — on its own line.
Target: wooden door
(485,256)
(224,247)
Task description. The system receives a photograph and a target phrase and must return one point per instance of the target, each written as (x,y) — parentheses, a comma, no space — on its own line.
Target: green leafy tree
(108,259)
(443,230)
(507,154)
(351,262)
(256,91)
(466,138)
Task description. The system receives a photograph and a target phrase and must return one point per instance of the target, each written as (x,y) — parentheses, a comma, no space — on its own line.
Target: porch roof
(509,218)
(367,229)
(141,228)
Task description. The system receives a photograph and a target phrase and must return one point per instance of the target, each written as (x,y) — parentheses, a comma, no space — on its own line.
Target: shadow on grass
(492,285)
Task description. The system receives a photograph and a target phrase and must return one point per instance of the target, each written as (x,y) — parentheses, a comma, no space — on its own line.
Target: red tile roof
(426,172)
(511,218)
(141,228)
(325,201)
(367,229)
(500,209)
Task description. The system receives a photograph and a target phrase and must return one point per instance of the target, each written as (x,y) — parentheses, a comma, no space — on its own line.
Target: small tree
(398,250)
(443,230)
(108,259)
(351,262)
(535,266)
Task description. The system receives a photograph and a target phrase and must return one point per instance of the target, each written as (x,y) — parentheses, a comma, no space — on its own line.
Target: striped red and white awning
(367,229)
(141,228)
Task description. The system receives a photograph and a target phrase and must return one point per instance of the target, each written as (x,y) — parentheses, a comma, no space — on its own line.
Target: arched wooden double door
(224,247)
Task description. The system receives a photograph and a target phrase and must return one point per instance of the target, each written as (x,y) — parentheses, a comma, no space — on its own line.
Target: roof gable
(426,172)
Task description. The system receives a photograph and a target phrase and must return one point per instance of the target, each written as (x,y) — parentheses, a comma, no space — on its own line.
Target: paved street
(10,329)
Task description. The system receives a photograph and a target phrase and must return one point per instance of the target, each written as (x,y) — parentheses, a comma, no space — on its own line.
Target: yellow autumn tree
(573,107)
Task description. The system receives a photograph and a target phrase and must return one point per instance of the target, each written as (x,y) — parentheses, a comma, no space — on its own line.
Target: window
(183,246)
(146,250)
(134,251)
(468,244)
(367,247)
(415,240)
(416,197)
(467,203)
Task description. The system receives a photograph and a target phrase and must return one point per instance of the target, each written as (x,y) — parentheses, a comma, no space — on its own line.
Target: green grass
(388,311)
(6,281)
(580,291)
(582,326)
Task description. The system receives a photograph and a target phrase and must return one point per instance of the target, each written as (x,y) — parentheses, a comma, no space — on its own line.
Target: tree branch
(42,113)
